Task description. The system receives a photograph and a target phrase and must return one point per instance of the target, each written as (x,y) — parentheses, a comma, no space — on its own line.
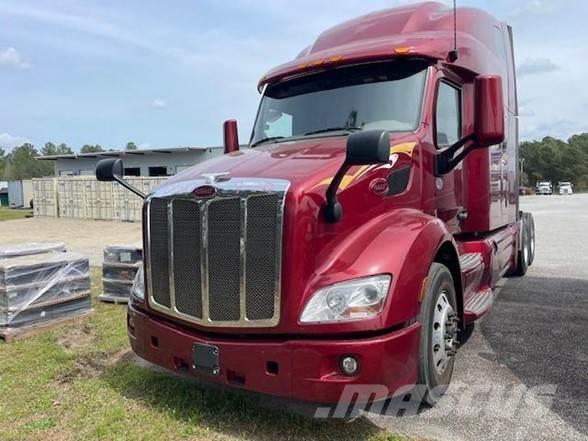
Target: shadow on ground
(231,412)
(539,330)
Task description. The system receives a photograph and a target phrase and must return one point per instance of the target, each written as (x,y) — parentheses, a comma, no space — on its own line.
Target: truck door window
(448,115)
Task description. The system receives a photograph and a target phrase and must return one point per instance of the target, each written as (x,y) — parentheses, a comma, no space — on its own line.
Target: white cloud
(158,103)
(537,66)
(11,57)
(9,141)
(536,7)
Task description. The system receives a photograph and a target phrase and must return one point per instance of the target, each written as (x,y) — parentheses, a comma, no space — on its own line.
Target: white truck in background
(544,187)
(565,187)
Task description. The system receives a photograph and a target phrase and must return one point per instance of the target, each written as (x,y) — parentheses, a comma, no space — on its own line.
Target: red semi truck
(368,220)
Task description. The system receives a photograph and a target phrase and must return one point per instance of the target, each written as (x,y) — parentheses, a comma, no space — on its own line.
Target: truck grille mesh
(216,262)
(159,251)
(261,240)
(187,239)
(224,259)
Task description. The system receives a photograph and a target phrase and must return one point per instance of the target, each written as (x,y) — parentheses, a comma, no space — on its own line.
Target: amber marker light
(401,50)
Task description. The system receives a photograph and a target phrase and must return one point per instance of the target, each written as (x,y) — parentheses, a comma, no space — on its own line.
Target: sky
(166,74)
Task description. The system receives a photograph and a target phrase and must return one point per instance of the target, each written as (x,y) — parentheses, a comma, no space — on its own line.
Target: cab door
(448,129)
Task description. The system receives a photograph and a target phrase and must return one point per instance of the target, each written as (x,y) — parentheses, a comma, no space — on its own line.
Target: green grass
(10,214)
(81,382)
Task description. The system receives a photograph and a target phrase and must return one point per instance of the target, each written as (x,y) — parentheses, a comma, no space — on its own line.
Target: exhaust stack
(230,136)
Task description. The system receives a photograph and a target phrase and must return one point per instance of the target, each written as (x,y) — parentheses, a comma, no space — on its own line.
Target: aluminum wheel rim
(444,329)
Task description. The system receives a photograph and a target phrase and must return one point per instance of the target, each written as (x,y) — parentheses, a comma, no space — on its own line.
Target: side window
(448,115)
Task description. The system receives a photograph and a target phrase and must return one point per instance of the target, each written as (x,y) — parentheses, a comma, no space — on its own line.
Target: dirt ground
(81,236)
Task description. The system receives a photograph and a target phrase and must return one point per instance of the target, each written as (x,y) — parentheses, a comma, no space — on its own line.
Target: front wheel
(438,339)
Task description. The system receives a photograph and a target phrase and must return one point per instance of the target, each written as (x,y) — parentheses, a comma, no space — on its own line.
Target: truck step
(470,261)
(478,304)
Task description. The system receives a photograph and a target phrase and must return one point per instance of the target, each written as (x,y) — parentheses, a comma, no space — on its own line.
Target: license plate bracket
(205,359)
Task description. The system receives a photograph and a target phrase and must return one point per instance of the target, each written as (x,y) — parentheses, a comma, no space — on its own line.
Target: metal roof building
(147,162)
(3,194)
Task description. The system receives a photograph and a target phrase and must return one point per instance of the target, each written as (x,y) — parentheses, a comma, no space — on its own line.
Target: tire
(524,249)
(530,237)
(438,339)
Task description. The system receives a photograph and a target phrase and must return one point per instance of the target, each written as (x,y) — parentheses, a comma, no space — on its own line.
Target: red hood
(316,251)
(301,161)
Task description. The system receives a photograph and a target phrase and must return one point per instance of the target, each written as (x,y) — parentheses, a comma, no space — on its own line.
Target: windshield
(383,95)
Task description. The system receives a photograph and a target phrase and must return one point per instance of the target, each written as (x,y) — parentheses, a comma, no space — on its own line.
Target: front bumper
(301,369)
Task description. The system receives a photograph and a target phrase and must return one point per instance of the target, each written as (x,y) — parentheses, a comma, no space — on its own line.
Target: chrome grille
(187,240)
(224,259)
(260,243)
(217,261)
(159,252)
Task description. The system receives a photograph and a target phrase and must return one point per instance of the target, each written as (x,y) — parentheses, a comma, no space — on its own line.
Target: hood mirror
(112,169)
(363,148)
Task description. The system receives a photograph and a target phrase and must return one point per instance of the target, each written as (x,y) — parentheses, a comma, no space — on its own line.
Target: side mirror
(112,169)
(489,110)
(230,136)
(488,124)
(363,148)
(109,169)
(369,147)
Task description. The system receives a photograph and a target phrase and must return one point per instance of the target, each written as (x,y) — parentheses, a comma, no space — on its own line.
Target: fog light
(349,365)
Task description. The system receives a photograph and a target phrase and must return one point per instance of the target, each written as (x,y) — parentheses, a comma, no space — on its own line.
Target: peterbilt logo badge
(204,191)
(379,186)
(216,177)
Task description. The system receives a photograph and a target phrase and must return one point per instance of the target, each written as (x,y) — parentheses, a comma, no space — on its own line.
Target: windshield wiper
(334,129)
(270,138)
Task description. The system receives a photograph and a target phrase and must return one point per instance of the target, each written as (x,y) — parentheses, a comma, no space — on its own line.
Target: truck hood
(318,252)
(300,162)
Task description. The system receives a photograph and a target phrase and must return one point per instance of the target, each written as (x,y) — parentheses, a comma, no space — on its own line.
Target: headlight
(352,300)
(138,289)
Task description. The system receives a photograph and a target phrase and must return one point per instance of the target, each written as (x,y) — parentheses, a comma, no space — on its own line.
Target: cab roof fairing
(422,31)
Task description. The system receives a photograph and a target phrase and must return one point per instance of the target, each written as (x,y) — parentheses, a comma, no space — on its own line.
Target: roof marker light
(401,50)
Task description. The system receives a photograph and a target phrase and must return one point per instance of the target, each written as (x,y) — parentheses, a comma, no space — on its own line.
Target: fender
(402,243)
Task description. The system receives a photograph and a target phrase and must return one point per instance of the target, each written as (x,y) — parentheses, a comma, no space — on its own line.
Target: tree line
(20,163)
(555,160)
(549,159)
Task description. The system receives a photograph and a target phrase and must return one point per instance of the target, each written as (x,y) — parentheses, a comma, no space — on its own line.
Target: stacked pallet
(121,263)
(83,197)
(29,249)
(41,288)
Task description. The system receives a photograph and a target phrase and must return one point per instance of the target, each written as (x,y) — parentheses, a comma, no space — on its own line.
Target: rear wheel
(526,252)
(531,236)
(438,339)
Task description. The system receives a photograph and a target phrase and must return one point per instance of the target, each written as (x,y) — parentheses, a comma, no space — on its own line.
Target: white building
(151,162)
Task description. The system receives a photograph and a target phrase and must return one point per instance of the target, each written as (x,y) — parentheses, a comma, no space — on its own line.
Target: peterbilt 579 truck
(367,221)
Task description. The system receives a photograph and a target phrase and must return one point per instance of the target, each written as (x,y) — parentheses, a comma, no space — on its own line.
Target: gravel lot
(523,373)
(81,236)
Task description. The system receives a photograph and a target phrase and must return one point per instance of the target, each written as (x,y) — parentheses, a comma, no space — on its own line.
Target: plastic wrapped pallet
(129,254)
(43,287)
(121,263)
(29,249)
